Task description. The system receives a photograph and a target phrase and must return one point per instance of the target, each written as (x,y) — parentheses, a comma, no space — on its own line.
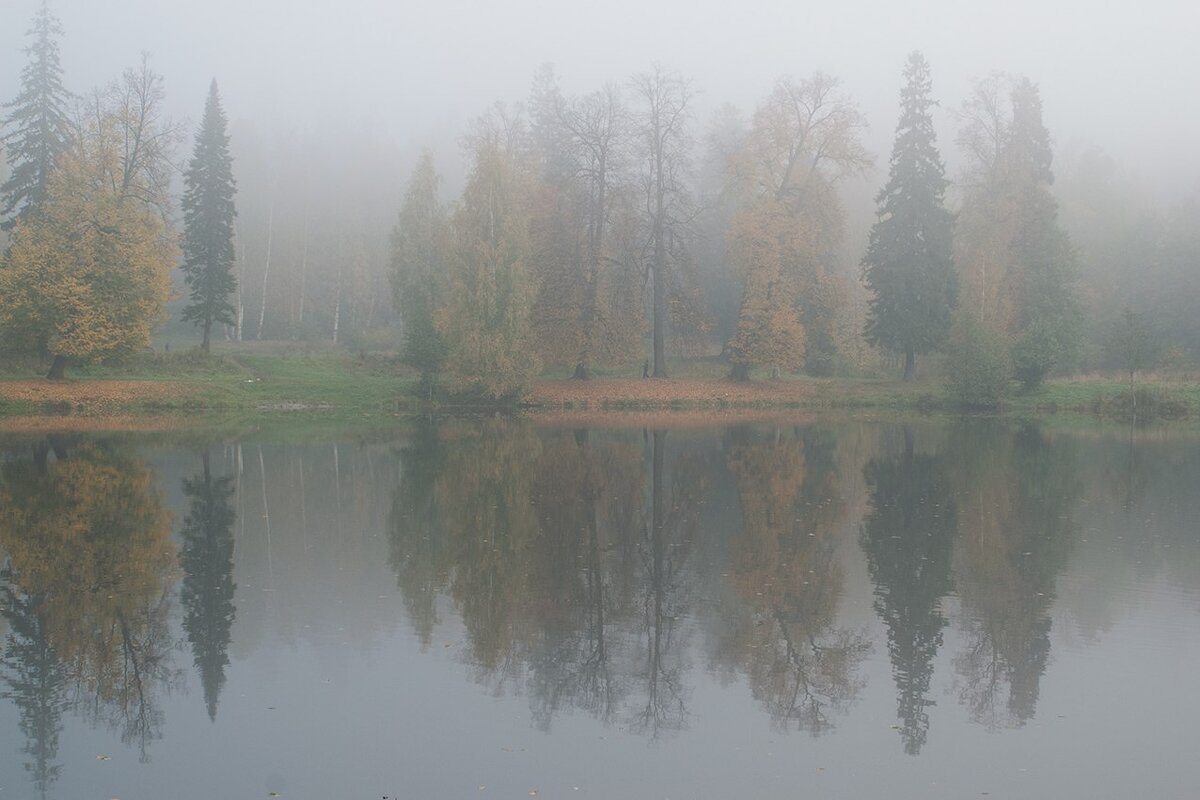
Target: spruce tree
(37,127)
(909,263)
(208,214)
(1047,319)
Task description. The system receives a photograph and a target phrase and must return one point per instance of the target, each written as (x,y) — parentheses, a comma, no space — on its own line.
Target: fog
(1121,76)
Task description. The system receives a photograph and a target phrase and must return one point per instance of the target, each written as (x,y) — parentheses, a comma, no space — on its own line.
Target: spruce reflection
(782,630)
(1016,502)
(208,588)
(87,595)
(35,680)
(907,540)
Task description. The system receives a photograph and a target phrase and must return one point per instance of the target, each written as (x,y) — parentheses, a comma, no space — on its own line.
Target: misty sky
(1122,75)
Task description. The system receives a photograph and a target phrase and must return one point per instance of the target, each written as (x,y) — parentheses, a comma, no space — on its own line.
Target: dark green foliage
(907,539)
(34,679)
(977,364)
(37,128)
(419,264)
(909,263)
(208,587)
(1135,344)
(1047,313)
(208,214)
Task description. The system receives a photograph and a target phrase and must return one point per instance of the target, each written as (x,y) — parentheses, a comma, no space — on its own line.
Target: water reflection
(787,580)
(621,576)
(1016,497)
(208,588)
(907,537)
(88,591)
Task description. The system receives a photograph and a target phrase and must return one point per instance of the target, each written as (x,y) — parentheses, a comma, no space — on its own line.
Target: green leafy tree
(208,214)
(208,588)
(909,263)
(37,125)
(1048,316)
(486,316)
(1016,261)
(977,363)
(419,256)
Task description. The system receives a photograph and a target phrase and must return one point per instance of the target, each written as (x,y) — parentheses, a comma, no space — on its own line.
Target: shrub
(977,364)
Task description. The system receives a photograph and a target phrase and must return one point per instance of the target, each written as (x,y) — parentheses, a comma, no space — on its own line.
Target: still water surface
(488,608)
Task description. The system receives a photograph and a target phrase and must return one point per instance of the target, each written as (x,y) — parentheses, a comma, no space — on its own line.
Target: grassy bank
(222,385)
(255,382)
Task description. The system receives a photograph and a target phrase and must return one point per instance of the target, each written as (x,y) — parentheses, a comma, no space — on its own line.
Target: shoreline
(329,390)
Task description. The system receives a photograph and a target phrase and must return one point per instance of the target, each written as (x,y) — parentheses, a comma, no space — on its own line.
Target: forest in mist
(681,192)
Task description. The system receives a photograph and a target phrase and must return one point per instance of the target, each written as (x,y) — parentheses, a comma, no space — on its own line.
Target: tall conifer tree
(1047,321)
(37,127)
(909,263)
(208,214)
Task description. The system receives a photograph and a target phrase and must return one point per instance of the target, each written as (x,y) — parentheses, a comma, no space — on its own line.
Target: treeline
(600,231)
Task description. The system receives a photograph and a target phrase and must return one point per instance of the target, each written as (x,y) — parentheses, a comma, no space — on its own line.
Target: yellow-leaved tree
(783,242)
(88,275)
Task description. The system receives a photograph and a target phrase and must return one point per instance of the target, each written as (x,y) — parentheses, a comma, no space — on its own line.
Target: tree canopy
(909,264)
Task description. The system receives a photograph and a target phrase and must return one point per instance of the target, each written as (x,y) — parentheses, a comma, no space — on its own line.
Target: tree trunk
(740,372)
(204,345)
(262,306)
(581,372)
(58,369)
(910,365)
(660,321)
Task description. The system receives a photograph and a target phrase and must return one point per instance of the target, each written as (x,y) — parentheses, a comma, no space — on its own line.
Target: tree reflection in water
(208,588)
(787,581)
(1017,494)
(907,538)
(87,594)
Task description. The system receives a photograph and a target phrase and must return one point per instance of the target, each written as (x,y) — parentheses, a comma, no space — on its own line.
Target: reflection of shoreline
(42,425)
(670,420)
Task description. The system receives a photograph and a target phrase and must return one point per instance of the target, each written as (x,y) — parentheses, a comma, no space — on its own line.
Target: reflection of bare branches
(124,694)
(821,674)
(800,665)
(664,602)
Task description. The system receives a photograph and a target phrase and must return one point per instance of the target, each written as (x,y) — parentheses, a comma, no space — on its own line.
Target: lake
(500,608)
